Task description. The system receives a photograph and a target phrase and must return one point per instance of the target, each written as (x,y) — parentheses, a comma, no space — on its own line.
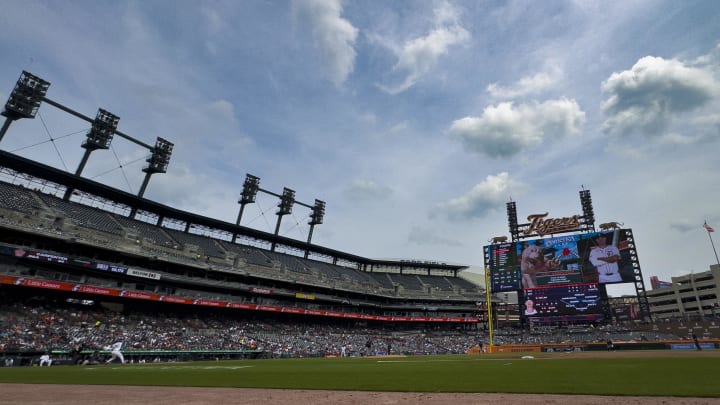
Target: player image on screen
(606,257)
(530,307)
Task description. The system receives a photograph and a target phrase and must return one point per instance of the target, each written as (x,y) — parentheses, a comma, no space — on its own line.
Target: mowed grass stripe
(692,376)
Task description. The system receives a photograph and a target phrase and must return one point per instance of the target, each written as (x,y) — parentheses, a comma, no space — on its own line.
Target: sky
(415,121)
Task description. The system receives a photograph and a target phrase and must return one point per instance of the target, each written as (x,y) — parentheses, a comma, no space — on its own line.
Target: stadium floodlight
(102,131)
(287,200)
(98,137)
(285,206)
(248,195)
(512,220)
(250,189)
(316,218)
(25,99)
(160,159)
(318,213)
(157,163)
(587,207)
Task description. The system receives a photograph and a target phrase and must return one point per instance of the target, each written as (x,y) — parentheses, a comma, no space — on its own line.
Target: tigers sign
(541,225)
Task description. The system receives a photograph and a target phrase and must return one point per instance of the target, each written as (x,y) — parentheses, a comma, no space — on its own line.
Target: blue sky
(415,121)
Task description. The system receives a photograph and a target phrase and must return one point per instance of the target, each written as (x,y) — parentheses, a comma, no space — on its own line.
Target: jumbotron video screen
(593,257)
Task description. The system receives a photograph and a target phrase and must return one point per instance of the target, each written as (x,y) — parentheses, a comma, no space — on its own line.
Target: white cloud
(368,118)
(504,130)
(430,236)
(418,56)
(213,19)
(178,185)
(223,109)
(367,190)
(709,120)
(653,93)
(695,224)
(400,127)
(333,35)
(673,138)
(527,85)
(711,60)
(485,197)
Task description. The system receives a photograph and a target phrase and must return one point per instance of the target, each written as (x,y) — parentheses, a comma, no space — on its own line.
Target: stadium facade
(688,295)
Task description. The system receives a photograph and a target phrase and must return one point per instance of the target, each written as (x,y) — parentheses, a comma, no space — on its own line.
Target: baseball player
(45,360)
(115,352)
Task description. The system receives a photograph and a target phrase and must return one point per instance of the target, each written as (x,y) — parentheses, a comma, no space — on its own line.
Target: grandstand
(71,239)
(88,248)
(56,252)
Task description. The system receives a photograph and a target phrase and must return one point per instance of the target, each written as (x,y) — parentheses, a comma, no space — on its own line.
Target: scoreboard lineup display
(574,302)
(565,271)
(504,268)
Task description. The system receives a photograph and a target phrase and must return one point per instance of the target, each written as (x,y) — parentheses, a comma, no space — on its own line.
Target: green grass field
(692,376)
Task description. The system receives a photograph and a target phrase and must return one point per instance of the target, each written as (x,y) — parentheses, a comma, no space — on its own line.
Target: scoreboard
(562,260)
(563,278)
(574,302)
(504,270)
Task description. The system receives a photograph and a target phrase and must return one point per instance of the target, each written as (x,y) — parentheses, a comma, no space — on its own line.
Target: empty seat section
(147,231)
(252,255)
(207,246)
(82,215)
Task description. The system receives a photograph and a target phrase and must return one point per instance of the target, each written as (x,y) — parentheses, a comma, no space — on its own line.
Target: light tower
(285,206)
(588,212)
(157,162)
(251,186)
(287,200)
(249,193)
(99,136)
(316,218)
(24,100)
(511,207)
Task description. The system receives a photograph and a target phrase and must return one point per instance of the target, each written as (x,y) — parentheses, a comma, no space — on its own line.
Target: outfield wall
(707,344)
(66,357)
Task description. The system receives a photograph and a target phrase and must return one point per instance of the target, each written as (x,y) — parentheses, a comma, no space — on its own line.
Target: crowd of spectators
(39,325)
(26,326)
(667,329)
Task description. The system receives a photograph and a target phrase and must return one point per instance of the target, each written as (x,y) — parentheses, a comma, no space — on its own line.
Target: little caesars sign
(541,225)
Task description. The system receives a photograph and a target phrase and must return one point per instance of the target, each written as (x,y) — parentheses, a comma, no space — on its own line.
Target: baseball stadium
(204,310)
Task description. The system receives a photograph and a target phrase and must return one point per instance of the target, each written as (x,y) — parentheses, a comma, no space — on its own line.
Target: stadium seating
(205,246)
(18,198)
(147,233)
(101,228)
(81,215)
(211,267)
(249,254)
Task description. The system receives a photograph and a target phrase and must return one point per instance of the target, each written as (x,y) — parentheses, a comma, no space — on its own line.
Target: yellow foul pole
(488,297)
